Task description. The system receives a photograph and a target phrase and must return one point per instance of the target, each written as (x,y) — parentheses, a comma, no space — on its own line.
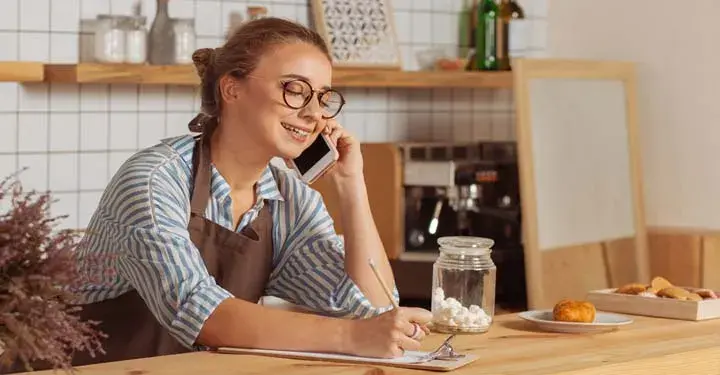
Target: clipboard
(409,360)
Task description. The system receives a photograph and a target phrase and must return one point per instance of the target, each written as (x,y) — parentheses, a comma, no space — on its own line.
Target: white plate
(543,319)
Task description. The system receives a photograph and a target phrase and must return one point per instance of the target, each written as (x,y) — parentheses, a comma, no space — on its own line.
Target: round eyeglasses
(298,93)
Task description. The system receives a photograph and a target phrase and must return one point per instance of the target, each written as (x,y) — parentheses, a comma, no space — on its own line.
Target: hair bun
(203,59)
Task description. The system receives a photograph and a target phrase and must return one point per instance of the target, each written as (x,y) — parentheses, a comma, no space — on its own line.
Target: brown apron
(240,262)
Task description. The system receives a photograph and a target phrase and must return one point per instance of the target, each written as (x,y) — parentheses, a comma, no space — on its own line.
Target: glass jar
(184,40)
(110,39)
(463,298)
(256,12)
(136,41)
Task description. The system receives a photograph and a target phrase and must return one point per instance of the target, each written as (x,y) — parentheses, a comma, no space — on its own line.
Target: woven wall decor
(359,33)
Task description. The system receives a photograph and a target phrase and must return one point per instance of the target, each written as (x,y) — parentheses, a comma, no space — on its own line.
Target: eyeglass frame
(313,92)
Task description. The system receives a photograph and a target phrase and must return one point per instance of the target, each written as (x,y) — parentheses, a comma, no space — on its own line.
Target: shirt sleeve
(145,218)
(311,270)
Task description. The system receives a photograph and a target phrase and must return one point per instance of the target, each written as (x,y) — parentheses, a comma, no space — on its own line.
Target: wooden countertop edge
(646,348)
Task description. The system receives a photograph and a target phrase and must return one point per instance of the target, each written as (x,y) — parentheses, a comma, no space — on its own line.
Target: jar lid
(465,244)
(138,20)
(184,21)
(256,10)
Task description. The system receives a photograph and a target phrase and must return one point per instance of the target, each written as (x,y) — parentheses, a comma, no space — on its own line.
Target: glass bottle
(464,276)
(512,33)
(235,19)
(485,36)
(161,39)
(465,30)
(184,40)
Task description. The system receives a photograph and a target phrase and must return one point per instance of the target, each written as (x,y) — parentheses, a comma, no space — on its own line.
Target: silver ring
(416,331)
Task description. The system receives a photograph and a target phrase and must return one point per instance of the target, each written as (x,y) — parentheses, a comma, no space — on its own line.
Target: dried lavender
(38,270)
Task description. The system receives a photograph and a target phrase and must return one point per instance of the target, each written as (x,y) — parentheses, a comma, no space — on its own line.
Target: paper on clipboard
(411,359)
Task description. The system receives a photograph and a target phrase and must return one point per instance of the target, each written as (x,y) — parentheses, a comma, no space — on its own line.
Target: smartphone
(316,159)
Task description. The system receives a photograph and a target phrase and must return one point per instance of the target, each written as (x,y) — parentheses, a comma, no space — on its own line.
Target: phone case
(290,164)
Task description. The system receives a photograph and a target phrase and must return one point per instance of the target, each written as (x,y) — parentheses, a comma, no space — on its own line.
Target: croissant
(574,311)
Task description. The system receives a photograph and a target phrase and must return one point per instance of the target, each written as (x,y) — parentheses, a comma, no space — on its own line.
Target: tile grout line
(79,158)
(137,116)
(108,122)
(18,93)
(49,101)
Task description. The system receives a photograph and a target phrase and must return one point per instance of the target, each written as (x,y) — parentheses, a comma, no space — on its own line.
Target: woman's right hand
(388,335)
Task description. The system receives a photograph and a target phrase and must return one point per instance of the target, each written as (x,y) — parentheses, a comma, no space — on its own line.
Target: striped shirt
(139,236)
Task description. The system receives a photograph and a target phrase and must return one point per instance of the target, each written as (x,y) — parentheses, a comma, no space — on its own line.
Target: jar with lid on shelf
(136,40)
(464,275)
(184,39)
(110,38)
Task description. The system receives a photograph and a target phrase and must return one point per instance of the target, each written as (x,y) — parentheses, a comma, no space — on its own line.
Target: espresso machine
(467,190)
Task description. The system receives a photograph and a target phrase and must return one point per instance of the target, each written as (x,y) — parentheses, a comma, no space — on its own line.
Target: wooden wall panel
(620,262)
(710,262)
(676,257)
(685,257)
(383,178)
(570,272)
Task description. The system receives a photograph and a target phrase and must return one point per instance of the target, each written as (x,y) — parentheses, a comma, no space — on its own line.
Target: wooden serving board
(607,300)
(407,361)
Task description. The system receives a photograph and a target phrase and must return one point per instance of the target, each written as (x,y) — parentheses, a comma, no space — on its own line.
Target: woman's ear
(228,89)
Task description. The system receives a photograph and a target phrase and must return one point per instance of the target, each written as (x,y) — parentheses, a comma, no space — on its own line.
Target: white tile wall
(72,138)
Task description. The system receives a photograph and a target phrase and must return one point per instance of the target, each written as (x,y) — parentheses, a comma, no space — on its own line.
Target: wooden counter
(648,346)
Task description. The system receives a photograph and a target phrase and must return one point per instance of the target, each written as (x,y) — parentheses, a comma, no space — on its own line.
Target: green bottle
(486,36)
(465,39)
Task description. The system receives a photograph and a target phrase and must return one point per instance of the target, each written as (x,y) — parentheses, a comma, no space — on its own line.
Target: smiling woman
(197,229)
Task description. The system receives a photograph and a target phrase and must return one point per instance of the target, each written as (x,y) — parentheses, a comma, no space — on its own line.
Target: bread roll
(674,292)
(706,294)
(660,283)
(574,311)
(634,288)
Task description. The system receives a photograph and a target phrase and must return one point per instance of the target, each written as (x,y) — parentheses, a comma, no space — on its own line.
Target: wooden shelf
(21,71)
(122,73)
(421,79)
(343,77)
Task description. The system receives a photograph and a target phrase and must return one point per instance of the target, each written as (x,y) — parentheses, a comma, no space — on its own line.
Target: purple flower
(38,271)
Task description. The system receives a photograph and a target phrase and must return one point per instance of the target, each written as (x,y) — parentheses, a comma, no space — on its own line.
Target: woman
(194,230)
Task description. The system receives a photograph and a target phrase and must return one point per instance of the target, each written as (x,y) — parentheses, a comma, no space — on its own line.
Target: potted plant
(38,322)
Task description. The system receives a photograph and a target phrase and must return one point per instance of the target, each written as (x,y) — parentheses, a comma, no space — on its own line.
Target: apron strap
(201,175)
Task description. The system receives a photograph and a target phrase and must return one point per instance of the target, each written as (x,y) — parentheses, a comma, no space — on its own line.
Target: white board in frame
(359,33)
(579,163)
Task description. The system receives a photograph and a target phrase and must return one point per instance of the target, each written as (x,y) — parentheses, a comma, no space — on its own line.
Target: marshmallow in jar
(463,298)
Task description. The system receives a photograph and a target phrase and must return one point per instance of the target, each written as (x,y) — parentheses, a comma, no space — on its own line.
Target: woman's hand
(350,163)
(388,335)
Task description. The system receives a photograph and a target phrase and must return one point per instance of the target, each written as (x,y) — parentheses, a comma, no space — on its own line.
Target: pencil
(382,283)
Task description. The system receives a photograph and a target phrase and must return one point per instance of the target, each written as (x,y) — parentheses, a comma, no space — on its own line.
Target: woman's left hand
(350,162)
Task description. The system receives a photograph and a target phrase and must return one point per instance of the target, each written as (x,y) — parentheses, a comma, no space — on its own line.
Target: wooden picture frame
(378,51)
(580,176)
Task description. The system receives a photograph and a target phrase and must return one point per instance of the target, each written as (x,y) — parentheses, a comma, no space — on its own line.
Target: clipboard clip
(443,353)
